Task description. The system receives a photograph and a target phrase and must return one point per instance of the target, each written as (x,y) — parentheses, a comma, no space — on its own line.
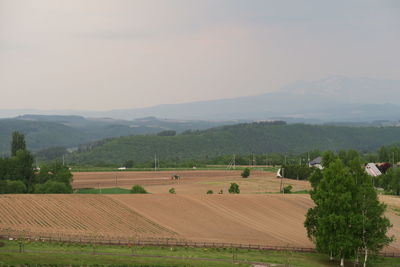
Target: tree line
(18,174)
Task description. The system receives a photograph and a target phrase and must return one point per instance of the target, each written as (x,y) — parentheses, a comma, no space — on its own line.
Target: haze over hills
(336,98)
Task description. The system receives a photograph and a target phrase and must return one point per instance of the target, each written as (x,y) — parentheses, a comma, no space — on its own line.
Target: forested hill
(42,131)
(262,137)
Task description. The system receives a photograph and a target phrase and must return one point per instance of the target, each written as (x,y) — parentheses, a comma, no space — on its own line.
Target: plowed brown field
(191,182)
(247,219)
(74,215)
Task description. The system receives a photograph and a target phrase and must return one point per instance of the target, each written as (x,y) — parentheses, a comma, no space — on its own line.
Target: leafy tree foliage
(390,181)
(17,174)
(234,189)
(128,164)
(137,189)
(57,172)
(52,187)
(17,143)
(245,173)
(210,192)
(172,191)
(298,172)
(12,187)
(348,217)
(19,166)
(287,189)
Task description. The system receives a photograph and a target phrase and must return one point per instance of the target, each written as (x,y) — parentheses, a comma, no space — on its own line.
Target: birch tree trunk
(366,257)
(342,262)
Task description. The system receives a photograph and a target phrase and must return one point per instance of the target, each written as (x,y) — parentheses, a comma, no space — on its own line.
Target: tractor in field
(175,177)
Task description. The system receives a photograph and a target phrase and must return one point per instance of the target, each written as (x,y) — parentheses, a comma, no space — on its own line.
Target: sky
(117,54)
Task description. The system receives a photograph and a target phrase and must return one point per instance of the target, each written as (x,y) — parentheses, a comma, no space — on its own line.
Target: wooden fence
(160,242)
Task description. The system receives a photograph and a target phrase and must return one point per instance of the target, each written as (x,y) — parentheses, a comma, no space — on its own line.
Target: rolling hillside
(263,137)
(45,131)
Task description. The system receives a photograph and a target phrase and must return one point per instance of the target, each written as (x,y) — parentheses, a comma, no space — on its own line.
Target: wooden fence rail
(166,243)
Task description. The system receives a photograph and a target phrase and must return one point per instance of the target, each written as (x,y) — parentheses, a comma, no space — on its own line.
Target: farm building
(317,163)
(372,170)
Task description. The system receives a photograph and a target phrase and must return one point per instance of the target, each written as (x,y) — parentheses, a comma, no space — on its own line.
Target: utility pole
(393,158)
(63,160)
(283,175)
(155,162)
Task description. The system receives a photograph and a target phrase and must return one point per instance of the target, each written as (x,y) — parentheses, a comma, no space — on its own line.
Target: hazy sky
(123,54)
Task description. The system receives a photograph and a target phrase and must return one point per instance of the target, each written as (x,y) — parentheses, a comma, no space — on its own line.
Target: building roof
(372,170)
(315,161)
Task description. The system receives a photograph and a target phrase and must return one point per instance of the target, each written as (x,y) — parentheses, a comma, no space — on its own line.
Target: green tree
(55,171)
(12,187)
(128,163)
(137,189)
(24,168)
(287,189)
(234,189)
(371,226)
(17,143)
(347,217)
(52,187)
(172,191)
(390,181)
(384,154)
(246,173)
(210,192)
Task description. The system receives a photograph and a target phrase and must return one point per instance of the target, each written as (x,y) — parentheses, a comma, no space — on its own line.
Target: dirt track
(191,182)
(248,219)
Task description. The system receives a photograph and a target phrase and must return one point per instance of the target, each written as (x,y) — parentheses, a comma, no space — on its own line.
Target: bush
(16,187)
(137,189)
(52,187)
(234,189)
(12,187)
(245,173)
(298,172)
(221,192)
(210,192)
(172,191)
(128,164)
(287,189)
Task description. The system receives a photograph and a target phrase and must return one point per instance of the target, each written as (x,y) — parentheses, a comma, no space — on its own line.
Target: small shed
(372,170)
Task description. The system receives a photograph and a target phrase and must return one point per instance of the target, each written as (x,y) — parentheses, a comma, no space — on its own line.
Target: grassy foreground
(28,253)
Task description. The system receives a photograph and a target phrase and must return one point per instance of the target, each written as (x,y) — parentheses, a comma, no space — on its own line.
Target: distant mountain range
(335,98)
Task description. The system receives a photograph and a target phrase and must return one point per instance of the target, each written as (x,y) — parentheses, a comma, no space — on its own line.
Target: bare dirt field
(248,219)
(191,182)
